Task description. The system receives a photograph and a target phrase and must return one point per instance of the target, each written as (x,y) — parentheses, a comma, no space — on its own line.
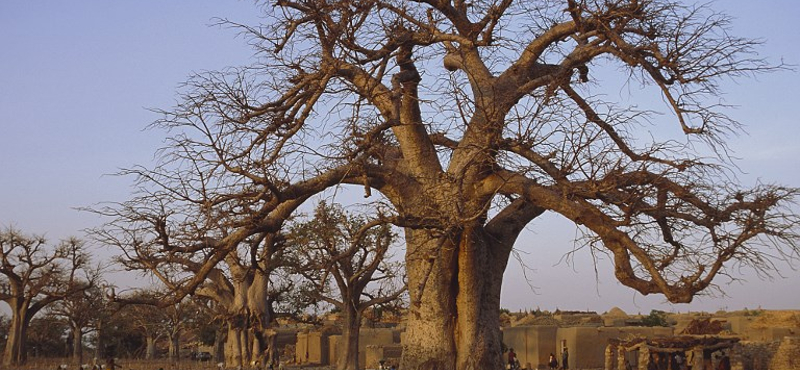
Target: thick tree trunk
(272,355)
(480,276)
(150,351)
(174,347)
(348,354)
(429,339)
(260,318)
(15,353)
(77,345)
(453,321)
(258,347)
(219,345)
(235,346)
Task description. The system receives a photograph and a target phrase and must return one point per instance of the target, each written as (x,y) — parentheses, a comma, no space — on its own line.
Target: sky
(77,80)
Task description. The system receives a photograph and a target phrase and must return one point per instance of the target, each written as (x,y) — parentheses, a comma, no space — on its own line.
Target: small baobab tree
(34,275)
(79,310)
(346,259)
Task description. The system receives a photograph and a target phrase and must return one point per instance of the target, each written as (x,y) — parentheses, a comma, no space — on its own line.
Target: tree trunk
(150,352)
(258,305)
(480,276)
(348,353)
(101,342)
(453,321)
(234,346)
(258,347)
(272,355)
(77,344)
(15,353)
(219,345)
(429,341)
(174,346)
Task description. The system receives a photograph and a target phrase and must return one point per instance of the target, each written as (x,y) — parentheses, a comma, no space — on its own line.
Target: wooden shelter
(673,353)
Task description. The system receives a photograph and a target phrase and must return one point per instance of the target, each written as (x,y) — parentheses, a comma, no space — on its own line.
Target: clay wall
(587,345)
(533,344)
(373,337)
(769,334)
(390,354)
(312,348)
(334,343)
(740,325)
(323,349)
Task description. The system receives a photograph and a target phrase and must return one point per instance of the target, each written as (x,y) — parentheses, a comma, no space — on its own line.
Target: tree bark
(235,346)
(272,355)
(150,351)
(348,358)
(429,341)
(77,344)
(455,302)
(480,275)
(15,353)
(259,317)
(174,347)
(219,345)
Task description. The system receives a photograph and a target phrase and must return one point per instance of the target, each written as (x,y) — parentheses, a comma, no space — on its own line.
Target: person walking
(565,359)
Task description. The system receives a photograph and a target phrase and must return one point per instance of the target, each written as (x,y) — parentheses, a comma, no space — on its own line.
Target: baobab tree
(245,283)
(470,120)
(79,310)
(149,321)
(345,259)
(33,276)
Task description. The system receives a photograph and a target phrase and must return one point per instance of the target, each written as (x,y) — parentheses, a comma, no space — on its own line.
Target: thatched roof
(617,313)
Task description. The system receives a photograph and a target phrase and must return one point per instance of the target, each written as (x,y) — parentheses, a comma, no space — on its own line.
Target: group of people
(552,362)
(682,361)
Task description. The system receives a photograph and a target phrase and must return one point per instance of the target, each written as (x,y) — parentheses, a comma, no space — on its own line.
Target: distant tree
(48,336)
(34,275)
(79,310)
(208,323)
(346,259)
(655,318)
(121,333)
(245,282)
(471,119)
(177,323)
(103,319)
(151,322)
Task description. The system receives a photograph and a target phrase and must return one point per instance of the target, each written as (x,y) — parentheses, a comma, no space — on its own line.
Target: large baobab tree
(33,276)
(345,258)
(471,119)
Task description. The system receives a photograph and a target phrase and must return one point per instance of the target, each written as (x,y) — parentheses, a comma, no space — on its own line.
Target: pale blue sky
(76,78)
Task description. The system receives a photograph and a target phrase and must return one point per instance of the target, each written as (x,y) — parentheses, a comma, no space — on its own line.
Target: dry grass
(123,364)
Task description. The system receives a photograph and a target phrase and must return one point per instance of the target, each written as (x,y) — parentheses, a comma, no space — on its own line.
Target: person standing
(565,359)
(512,358)
(552,362)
